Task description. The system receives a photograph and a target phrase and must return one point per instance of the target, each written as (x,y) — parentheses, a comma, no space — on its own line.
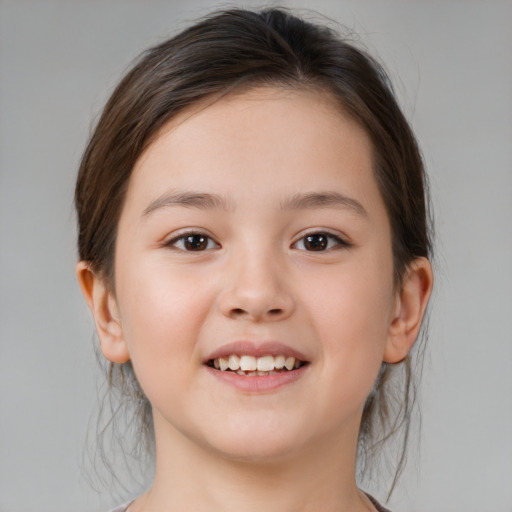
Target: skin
(220,448)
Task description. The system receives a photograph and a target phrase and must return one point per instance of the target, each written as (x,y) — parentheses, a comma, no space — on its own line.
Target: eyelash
(203,238)
(329,238)
(173,243)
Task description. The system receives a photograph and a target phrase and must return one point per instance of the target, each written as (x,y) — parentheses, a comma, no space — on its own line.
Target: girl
(254,248)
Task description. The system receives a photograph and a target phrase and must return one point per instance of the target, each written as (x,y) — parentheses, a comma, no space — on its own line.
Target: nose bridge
(258,286)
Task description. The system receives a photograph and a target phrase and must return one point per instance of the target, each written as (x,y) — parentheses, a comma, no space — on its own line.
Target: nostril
(271,312)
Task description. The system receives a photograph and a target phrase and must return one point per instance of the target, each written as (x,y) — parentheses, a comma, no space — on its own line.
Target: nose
(258,290)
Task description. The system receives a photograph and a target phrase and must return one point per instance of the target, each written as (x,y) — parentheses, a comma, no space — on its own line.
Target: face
(253,229)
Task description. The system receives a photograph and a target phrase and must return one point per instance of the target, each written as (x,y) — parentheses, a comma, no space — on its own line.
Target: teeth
(289,363)
(234,362)
(279,362)
(264,365)
(248,363)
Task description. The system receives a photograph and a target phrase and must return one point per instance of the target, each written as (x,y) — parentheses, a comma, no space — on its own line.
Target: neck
(190,477)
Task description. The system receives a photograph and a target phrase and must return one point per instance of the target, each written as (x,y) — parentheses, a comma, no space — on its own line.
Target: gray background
(452,64)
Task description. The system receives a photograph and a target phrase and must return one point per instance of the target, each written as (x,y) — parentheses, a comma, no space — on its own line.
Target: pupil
(316,242)
(196,242)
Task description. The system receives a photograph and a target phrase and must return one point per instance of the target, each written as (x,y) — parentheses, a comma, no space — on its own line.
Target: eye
(319,242)
(193,242)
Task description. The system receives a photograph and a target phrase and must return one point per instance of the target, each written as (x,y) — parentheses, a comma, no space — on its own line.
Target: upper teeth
(246,363)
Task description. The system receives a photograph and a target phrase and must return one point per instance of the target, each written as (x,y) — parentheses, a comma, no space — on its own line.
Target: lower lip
(258,383)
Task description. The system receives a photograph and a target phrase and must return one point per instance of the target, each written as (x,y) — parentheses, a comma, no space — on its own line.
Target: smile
(256,366)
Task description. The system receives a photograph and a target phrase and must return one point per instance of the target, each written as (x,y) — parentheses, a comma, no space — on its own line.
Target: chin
(258,454)
(255,443)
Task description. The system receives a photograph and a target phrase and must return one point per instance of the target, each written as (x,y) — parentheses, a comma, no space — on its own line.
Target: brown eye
(318,242)
(193,242)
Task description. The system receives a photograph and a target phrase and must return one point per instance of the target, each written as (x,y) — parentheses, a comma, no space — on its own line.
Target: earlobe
(103,306)
(411,305)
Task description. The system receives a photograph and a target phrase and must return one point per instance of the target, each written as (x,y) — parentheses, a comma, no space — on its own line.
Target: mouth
(252,366)
(257,367)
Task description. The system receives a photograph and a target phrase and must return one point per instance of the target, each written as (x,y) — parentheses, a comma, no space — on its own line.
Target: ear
(103,306)
(411,303)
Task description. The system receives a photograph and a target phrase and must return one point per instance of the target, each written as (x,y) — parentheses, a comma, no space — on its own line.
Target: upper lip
(256,349)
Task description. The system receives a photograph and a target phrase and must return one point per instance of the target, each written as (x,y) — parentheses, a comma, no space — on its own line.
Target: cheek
(351,315)
(358,300)
(161,313)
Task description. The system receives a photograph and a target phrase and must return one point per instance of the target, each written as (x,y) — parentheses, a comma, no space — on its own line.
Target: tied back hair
(236,50)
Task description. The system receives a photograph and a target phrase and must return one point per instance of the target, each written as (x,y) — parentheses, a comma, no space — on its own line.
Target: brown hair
(239,48)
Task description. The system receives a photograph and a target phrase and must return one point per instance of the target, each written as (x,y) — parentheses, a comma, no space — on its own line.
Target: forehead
(299,136)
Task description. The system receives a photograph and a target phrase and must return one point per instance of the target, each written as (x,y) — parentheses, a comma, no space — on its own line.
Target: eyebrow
(318,200)
(299,201)
(199,200)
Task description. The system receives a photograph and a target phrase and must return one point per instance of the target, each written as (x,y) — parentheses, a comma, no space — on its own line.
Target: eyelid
(341,241)
(180,235)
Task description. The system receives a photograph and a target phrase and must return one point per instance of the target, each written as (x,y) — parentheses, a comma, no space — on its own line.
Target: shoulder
(377,505)
(121,508)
